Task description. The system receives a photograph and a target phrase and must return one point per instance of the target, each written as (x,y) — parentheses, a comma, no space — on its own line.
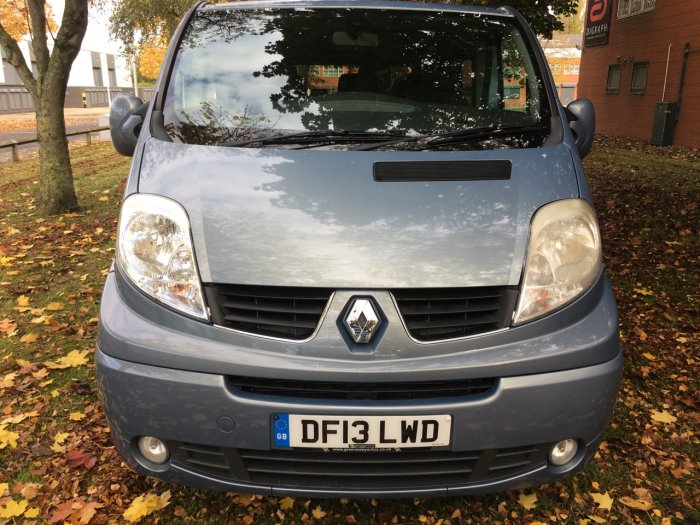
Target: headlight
(563,258)
(154,250)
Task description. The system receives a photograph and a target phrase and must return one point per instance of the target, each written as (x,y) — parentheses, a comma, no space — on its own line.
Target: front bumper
(164,375)
(519,418)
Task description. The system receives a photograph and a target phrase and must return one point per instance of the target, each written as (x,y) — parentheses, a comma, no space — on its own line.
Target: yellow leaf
(13,509)
(663,417)
(145,505)
(604,501)
(583,522)
(597,519)
(55,393)
(76,416)
(73,359)
(104,198)
(32,513)
(8,437)
(635,503)
(318,513)
(643,291)
(649,356)
(4,487)
(286,503)
(58,441)
(29,338)
(18,418)
(527,502)
(6,382)
(8,327)
(23,301)
(55,307)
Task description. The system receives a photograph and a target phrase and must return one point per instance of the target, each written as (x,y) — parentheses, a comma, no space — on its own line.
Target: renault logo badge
(362,321)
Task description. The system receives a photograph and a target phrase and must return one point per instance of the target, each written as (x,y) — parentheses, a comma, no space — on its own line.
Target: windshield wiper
(458,136)
(315,137)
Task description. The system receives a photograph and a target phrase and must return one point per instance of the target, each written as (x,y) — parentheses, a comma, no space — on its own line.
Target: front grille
(433,314)
(276,311)
(363,470)
(359,391)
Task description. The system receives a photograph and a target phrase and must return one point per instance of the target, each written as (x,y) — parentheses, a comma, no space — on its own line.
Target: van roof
(360,4)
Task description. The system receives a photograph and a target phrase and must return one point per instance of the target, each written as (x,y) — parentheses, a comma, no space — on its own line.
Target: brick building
(636,54)
(563,52)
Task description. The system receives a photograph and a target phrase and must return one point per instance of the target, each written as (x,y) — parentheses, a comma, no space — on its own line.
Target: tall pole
(133,74)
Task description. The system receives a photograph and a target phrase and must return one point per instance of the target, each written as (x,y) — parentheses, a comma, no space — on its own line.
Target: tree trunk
(56,193)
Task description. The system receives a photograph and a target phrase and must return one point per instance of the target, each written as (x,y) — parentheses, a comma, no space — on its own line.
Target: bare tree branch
(39,27)
(69,38)
(16,59)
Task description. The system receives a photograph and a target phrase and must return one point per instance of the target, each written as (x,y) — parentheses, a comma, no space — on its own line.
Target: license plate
(301,431)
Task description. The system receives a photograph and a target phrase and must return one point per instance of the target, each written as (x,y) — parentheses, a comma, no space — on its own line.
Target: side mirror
(125,120)
(581,116)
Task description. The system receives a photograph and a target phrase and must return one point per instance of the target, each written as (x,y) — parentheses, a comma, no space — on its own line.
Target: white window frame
(626,8)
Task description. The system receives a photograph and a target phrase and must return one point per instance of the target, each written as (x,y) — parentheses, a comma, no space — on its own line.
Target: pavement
(68,113)
(77,119)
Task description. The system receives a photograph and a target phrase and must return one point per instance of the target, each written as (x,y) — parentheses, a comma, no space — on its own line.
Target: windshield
(242,74)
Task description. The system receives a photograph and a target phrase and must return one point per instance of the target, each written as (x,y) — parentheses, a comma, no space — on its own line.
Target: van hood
(280,217)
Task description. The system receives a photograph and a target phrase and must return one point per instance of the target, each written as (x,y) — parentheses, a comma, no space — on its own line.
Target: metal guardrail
(14,144)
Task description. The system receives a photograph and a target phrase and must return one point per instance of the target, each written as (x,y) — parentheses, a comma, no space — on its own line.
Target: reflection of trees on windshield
(214,125)
(398,71)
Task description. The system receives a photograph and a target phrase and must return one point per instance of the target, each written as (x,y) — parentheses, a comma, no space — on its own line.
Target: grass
(648,204)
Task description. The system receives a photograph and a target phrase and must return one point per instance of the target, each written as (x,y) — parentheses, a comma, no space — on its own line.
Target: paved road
(26,149)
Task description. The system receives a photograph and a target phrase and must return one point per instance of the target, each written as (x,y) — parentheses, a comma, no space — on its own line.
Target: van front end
(356,256)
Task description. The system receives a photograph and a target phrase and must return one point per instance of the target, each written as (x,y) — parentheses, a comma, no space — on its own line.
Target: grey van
(356,256)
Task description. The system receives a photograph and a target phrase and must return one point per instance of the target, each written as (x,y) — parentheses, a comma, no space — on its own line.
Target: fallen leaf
(635,503)
(32,513)
(12,509)
(75,459)
(604,501)
(527,501)
(62,511)
(8,327)
(318,513)
(643,291)
(649,356)
(286,503)
(597,519)
(4,487)
(29,338)
(8,437)
(88,512)
(13,420)
(663,417)
(55,307)
(58,441)
(73,359)
(145,505)
(6,382)
(76,416)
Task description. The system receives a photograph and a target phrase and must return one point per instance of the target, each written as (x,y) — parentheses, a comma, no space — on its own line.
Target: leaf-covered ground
(57,463)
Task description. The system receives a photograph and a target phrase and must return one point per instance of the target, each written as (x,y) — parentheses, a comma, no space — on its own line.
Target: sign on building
(597,23)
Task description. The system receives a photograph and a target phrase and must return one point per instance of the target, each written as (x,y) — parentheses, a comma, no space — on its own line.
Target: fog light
(153,449)
(563,452)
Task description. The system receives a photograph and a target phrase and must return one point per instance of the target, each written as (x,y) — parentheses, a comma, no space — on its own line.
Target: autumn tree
(150,57)
(47,86)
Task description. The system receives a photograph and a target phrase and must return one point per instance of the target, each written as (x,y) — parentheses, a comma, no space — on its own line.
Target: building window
(97,69)
(111,70)
(627,8)
(613,85)
(639,78)
(332,71)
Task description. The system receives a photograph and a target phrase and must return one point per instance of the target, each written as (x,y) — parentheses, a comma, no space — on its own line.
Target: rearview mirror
(581,116)
(125,120)
(343,38)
